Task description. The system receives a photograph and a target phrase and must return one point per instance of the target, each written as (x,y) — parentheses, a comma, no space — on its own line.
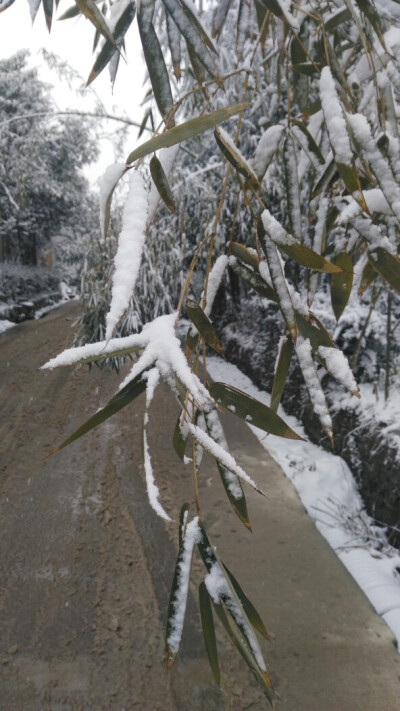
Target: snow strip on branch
(313,385)
(191,538)
(107,184)
(334,118)
(214,281)
(219,453)
(337,365)
(153,377)
(217,434)
(129,252)
(265,150)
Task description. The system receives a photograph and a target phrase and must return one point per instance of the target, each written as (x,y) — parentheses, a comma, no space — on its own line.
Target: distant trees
(44,196)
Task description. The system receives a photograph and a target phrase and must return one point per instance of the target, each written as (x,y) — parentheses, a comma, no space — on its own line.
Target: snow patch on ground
(329,493)
(5,325)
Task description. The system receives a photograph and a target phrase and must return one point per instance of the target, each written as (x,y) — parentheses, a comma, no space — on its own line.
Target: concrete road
(85,565)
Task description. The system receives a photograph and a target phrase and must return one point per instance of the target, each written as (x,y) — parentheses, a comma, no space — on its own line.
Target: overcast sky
(72,41)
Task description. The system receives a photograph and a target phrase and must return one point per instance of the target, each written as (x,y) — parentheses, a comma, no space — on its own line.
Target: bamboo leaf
(191,29)
(219,17)
(255,281)
(292,186)
(251,410)
(192,341)
(72,12)
(155,64)
(48,12)
(233,155)
(370,12)
(312,145)
(121,399)
(250,610)
(203,325)
(369,274)
(306,256)
(183,519)
(387,265)
(245,255)
(338,18)
(281,371)
(92,12)
(341,284)
(174,43)
(184,131)
(207,624)
(313,330)
(161,182)
(108,49)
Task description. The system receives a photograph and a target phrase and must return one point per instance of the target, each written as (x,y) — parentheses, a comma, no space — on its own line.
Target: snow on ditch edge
(329,493)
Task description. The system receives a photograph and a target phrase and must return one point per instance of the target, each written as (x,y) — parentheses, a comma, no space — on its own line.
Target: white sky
(72,41)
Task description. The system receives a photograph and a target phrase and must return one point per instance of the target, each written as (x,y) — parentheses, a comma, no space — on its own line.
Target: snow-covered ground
(4,325)
(329,493)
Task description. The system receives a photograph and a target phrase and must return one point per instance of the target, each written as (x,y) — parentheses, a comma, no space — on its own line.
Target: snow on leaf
(337,365)
(179,590)
(334,118)
(313,385)
(266,149)
(153,377)
(107,185)
(129,252)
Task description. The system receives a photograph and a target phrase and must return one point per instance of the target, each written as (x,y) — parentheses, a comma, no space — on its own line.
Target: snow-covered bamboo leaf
(129,252)
(251,612)
(230,481)
(266,149)
(300,253)
(184,131)
(251,410)
(203,325)
(179,590)
(179,438)
(336,364)
(311,143)
(387,265)
(368,276)
(278,279)
(292,188)
(108,183)
(183,522)
(219,17)
(198,68)
(325,178)
(48,12)
(254,280)
(161,182)
(281,10)
(121,26)
(341,284)
(155,62)
(313,330)
(245,255)
(234,156)
(192,30)
(370,12)
(313,385)
(92,12)
(224,595)
(192,341)
(120,400)
(174,43)
(207,625)
(242,26)
(281,371)
(337,18)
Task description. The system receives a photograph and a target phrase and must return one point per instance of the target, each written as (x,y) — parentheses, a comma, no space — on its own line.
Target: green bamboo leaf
(306,256)
(121,399)
(48,6)
(313,330)
(370,12)
(193,32)
(251,410)
(369,274)
(192,341)
(349,175)
(155,64)
(108,49)
(327,177)
(341,284)
(255,281)
(312,145)
(161,182)
(337,19)
(230,481)
(281,371)
(238,640)
(387,265)
(307,69)
(184,131)
(248,606)
(203,325)
(92,12)
(229,150)
(174,43)
(197,67)
(207,624)
(69,14)
(245,255)
(178,440)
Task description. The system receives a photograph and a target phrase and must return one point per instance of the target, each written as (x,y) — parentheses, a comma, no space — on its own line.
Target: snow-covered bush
(296,195)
